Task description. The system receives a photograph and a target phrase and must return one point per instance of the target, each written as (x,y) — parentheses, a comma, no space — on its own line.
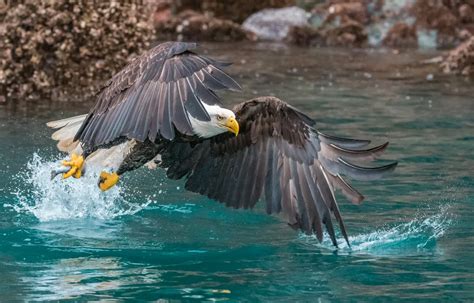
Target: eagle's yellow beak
(232,125)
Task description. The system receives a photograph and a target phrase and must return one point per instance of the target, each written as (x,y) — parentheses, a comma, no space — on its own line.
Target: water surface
(149,239)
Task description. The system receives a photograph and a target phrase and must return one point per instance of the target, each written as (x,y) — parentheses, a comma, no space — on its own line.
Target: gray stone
(273,24)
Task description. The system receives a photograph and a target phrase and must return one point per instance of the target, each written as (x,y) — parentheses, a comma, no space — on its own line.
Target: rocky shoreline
(61,49)
(64,48)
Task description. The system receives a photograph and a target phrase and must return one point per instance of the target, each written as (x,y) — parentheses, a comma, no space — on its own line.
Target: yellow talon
(71,172)
(76,163)
(107,180)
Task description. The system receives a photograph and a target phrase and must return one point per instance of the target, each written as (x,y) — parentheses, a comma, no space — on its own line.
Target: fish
(60,170)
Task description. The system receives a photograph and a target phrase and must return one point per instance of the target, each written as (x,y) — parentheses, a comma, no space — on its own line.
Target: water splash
(60,199)
(415,236)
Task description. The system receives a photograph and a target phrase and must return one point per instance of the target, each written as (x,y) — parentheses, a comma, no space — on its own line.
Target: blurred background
(65,49)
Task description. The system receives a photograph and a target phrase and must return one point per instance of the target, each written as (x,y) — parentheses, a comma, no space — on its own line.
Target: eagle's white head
(222,120)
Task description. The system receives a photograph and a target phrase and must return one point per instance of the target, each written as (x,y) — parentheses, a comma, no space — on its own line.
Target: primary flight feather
(162,110)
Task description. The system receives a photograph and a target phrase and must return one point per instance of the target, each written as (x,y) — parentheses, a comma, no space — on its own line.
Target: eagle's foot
(76,164)
(107,180)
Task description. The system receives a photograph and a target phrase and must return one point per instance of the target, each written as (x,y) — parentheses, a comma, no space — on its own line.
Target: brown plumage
(151,95)
(278,155)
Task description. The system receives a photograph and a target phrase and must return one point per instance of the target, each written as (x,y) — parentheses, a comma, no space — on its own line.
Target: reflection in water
(84,228)
(75,277)
(72,278)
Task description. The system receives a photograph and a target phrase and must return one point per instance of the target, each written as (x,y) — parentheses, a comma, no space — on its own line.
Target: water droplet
(60,199)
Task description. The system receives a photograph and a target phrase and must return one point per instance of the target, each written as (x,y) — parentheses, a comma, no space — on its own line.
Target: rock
(465,34)
(193,26)
(347,11)
(447,18)
(466,13)
(338,23)
(274,24)
(460,60)
(305,36)
(401,35)
(236,11)
(350,33)
(384,17)
(65,49)
(335,23)
(434,60)
(161,12)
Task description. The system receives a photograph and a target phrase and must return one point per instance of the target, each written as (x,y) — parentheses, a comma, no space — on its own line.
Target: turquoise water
(147,239)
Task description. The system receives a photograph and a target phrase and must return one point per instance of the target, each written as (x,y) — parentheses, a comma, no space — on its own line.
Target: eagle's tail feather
(63,122)
(67,129)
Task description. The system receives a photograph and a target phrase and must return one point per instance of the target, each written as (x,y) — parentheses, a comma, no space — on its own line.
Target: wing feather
(153,94)
(280,157)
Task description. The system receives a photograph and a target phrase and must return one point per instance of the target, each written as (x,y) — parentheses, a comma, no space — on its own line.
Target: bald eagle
(162,110)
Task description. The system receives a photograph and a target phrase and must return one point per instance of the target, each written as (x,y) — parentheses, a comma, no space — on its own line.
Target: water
(149,239)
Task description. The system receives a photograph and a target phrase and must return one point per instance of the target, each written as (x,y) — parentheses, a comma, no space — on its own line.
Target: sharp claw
(75,163)
(77,174)
(71,172)
(107,180)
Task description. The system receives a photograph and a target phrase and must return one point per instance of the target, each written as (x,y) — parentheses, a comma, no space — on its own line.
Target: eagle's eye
(219,118)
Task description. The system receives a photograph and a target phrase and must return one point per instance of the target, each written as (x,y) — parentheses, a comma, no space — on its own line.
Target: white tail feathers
(65,134)
(63,122)
(110,157)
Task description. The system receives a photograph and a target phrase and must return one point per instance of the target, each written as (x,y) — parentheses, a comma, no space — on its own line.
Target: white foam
(415,236)
(60,199)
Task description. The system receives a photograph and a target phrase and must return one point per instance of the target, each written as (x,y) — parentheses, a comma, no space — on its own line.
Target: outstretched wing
(280,156)
(151,96)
